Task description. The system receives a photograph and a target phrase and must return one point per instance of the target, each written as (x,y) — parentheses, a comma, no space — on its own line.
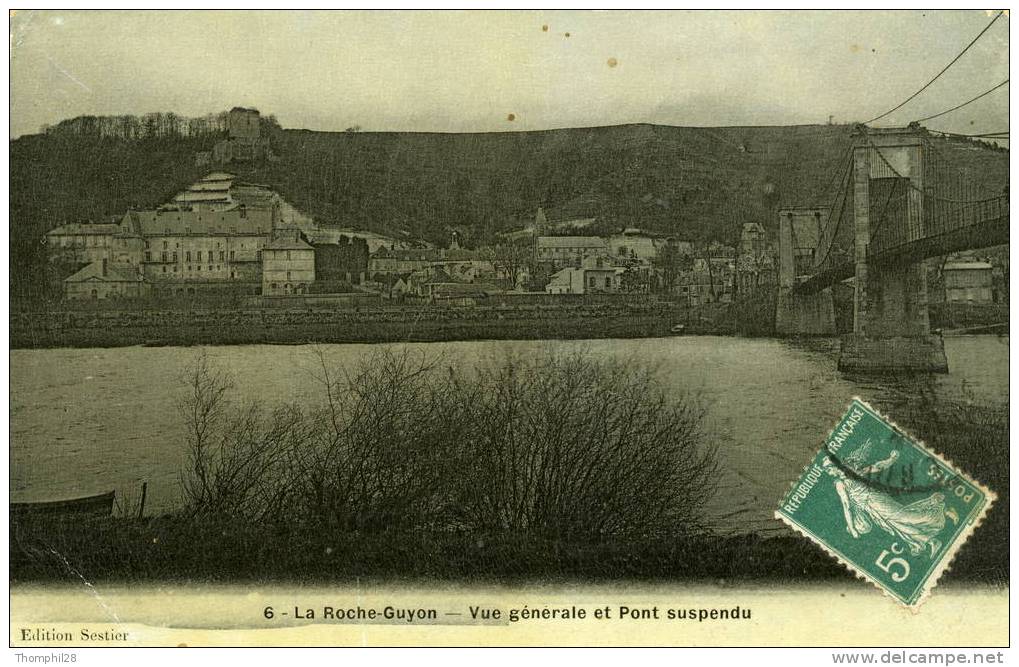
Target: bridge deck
(989,232)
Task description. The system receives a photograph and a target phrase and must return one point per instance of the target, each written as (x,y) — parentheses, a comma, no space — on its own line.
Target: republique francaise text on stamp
(884,505)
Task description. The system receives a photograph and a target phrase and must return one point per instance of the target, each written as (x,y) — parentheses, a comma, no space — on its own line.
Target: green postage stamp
(885,506)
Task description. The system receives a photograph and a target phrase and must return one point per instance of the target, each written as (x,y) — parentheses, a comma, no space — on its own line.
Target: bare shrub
(571,445)
(564,445)
(366,457)
(376,459)
(235,453)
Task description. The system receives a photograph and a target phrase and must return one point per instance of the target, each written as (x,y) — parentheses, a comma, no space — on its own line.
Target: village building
(209,239)
(325,233)
(398,262)
(595,275)
(542,226)
(753,239)
(568,251)
(187,251)
(697,288)
(421,282)
(633,244)
(757,260)
(400,287)
(968,282)
(212,191)
(104,280)
(223,191)
(288,264)
(82,243)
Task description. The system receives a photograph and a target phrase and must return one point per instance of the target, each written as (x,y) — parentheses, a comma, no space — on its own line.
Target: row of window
(297,289)
(570,251)
(258,244)
(172,256)
(198,268)
(83,241)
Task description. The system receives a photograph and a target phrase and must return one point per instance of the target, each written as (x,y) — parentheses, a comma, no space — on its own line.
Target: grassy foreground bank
(175,548)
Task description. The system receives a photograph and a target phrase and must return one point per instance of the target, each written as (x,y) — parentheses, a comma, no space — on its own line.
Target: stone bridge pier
(801,314)
(891,324)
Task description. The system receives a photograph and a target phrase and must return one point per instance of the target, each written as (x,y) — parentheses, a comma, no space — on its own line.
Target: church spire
(540,222)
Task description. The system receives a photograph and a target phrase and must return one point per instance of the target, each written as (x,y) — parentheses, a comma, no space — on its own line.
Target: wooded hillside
(691,182)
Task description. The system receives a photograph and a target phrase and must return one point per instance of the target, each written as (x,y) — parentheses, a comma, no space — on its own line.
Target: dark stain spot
(544,28)
(566,34)
(613,62)
(512,117)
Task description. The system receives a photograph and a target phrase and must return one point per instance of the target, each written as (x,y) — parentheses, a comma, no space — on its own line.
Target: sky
(464,71)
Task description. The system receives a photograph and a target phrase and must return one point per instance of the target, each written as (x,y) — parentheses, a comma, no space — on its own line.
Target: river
(89,420)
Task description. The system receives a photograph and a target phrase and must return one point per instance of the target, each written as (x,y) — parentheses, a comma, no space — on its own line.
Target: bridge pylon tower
(891,323)
(798,313)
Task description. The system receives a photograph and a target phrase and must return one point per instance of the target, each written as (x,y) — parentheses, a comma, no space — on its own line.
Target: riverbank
(643,317)
(183,328)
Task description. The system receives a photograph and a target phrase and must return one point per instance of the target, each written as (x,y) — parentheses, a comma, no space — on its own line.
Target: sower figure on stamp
(863,506)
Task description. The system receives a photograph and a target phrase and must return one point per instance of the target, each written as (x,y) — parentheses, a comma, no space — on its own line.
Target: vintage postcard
(509,328)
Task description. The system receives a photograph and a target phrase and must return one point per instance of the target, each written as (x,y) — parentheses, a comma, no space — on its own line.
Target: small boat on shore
(99,505)
(678,329)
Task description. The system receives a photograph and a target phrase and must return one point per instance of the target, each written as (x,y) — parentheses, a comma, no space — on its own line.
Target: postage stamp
(884,505)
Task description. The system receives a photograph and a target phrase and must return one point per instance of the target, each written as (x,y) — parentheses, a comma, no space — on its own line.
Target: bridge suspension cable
(843,188)
(876,230)
(847,157)
(927,85)
(985,135)
(946,215)
(967,102)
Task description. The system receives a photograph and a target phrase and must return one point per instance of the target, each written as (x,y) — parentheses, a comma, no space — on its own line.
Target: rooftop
(204,186)
(202,223)
(200,196)
(112,273)
(218,176)
(80,229)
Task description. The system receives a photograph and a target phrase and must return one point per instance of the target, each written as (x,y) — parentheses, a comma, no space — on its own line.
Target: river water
(86,421)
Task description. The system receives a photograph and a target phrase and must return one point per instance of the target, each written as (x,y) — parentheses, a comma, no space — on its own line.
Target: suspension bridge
(901,200)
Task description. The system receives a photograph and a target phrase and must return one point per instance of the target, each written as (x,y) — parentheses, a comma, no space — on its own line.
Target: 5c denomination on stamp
(884,505)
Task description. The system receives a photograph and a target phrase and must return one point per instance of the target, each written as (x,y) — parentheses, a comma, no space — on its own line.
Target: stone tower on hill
(243,124)
(243,143)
